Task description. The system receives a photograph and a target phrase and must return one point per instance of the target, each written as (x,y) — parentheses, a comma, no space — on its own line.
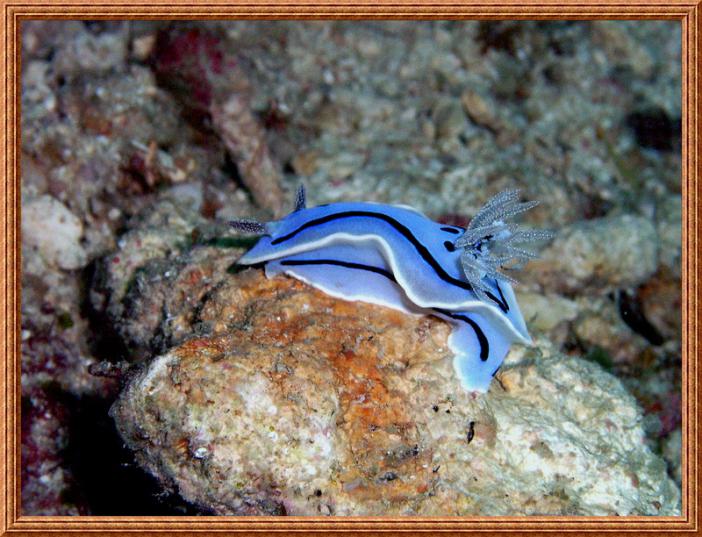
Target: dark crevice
(107,480)
(654,129)
(631,312)
(104,341)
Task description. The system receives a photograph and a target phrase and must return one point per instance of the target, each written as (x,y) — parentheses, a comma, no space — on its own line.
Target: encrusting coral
(298,403)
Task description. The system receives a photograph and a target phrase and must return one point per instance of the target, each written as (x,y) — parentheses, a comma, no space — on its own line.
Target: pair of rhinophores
(395,256)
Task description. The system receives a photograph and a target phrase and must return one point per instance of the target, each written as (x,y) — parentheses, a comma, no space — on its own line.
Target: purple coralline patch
(191,63)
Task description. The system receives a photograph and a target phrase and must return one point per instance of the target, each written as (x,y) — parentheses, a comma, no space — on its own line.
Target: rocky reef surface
(296,403)
(139,139)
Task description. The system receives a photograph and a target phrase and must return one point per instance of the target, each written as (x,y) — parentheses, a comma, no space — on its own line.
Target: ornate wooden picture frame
(686,13)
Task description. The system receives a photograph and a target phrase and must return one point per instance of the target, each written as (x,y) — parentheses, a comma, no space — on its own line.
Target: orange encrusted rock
(297,403)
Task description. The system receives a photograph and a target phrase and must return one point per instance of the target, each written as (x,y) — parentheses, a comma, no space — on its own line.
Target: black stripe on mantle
(482,340)
(422,250)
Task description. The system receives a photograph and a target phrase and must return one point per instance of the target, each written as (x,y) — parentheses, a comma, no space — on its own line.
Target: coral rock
(297,403)
(600,254)
(54,231)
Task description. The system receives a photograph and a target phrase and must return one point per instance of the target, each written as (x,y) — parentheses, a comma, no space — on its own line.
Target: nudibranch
(394,256)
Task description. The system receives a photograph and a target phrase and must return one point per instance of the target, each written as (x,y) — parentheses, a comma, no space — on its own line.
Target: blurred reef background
(141,139)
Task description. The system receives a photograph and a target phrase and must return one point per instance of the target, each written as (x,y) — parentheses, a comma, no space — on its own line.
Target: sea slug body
(396,257)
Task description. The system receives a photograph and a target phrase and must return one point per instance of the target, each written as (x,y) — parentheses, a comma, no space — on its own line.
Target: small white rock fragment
(50,228)
(611,252)
(200,453)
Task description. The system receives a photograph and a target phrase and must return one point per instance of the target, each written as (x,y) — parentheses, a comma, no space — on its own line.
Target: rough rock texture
(669,218)
(152,285)
(601,254)
(672,447)
(298,403)
(54,231)
(44,439)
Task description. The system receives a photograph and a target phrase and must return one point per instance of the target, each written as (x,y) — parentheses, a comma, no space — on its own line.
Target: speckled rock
(545,103)
(150,287)
(661,302)
(54,231)
(669,227)
(545,312)
(46,477)
(599,255)
(599,325)
(672,449)
(86,52)
(297,403)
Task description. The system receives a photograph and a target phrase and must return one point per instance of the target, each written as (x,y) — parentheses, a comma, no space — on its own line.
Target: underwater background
(141,139)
